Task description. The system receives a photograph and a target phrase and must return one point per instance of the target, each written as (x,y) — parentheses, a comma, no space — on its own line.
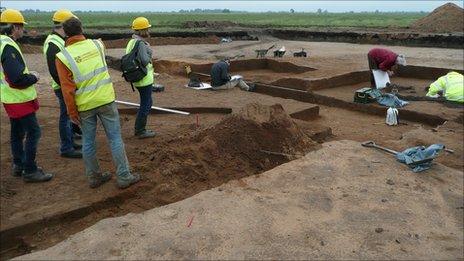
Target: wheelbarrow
(261,53)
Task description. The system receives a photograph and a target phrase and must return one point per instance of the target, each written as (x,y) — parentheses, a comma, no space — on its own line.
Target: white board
(236,77)
(381,78)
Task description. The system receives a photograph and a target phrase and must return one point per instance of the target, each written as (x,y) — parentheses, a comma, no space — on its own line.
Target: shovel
(372,144)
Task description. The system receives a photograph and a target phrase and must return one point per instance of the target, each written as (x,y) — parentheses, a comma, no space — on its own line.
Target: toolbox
(364,95)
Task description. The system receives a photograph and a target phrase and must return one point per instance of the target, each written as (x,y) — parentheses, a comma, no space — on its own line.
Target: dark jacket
(13,66)
(51,56)
(219,74)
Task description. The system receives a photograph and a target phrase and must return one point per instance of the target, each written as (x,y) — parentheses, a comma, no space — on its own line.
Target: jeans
(109,117)
(232,83)
(66,132)
(24,153)
(146,101)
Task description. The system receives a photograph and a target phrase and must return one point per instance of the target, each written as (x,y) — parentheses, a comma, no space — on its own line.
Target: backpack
(131,66)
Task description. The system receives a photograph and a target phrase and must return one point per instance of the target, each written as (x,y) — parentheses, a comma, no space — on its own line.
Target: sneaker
(17,171)
(134,178)
(146,134)
(75,154)
(100,179)
(38,176)
(252,87)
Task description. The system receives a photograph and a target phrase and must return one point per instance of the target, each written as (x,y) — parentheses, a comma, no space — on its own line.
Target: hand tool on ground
(153,107)
(372,144)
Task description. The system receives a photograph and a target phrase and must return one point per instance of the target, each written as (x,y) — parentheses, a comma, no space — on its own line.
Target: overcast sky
(252,6)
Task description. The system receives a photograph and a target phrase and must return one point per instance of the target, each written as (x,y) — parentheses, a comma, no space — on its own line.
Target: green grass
(176,20)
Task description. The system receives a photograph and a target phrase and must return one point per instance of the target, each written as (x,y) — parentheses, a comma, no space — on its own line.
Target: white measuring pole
(153,107)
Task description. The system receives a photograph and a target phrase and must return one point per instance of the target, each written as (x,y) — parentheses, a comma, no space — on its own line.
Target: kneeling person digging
(221,79)
(89,94)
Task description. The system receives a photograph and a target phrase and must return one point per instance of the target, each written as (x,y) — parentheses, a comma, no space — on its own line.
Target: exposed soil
(208,24)
(446,18)
(231,149)
(185,152)
(29,48)
(157,41)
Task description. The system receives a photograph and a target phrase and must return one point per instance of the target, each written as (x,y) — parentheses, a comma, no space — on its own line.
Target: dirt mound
(257,138)
(157,41)
(209,24)
(446,18)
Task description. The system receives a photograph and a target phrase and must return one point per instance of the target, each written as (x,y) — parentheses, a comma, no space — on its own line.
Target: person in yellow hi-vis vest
(89,94)
(53,44)
(145,86)
(450,86)
(19,98)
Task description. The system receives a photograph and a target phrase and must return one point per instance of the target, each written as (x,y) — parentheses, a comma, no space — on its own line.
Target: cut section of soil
(446,18)
(156,41)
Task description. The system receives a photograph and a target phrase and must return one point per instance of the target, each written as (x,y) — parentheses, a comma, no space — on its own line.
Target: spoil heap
(446,18)
(230,149)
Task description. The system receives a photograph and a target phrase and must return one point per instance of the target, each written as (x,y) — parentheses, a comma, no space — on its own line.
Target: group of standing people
(85,93)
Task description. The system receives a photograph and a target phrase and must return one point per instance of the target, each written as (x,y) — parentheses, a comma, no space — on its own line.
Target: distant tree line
(215,11)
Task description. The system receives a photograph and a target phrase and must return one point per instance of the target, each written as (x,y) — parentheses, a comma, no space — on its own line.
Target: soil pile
(209,24)
(446,18)
(157,41)
(231,149)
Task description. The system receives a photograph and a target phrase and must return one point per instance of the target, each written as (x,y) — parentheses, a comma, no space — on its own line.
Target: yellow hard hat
(12,16)
(140,23)
(62,15)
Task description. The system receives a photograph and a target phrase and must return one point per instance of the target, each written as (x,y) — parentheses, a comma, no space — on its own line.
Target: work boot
(96,180)
(77,136)
(74,154)
(127,182)
(252,87)
(157,88)
(38,176)
(17,171)
(146,134)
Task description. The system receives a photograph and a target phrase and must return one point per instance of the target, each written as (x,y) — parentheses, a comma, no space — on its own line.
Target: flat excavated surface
(25,203)
(343,201)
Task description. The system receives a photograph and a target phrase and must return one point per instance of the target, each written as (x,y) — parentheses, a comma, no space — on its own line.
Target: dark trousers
(372,66)
(66,131)
(146,101)
(24,152)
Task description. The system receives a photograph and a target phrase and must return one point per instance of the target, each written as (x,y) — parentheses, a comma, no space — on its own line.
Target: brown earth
(22,203)
(157,41)
(29,48)
(342,202)
(232,148)
(208,24)
(446,18)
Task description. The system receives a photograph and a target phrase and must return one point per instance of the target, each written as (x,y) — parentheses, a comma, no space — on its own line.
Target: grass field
(165,21)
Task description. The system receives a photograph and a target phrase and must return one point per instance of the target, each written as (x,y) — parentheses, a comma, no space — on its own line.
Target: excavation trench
(336,91)
(249,142)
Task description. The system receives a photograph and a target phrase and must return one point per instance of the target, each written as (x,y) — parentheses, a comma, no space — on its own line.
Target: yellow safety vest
(86,60)
(58,41)
(11,95)
(149,78)
(452,86)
